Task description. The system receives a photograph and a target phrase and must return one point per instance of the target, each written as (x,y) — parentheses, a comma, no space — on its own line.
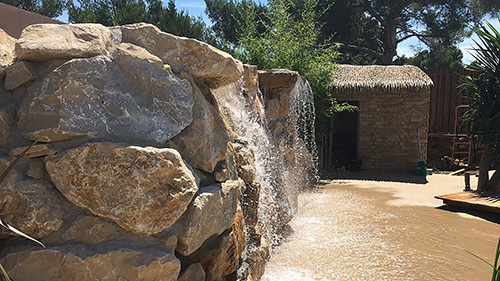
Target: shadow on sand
(489,216)
(374,175)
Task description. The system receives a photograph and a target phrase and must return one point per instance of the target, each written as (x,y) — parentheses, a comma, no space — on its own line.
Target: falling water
(280,177)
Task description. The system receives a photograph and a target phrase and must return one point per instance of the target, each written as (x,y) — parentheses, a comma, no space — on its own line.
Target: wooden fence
(445,97)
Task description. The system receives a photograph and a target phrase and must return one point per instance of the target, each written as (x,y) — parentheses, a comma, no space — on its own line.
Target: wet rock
(7,53)
(250,204)
(210,213)
(220,255)
(41,42)
(205,141)
(144,190)
(258,257)
(32,206)
(246,173)
(202,61)
(278,81)
(19,74)
(194,272)
(94,97)
(78,262)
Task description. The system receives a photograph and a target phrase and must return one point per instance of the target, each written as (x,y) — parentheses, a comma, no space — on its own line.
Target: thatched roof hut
(393,103)
(357,78)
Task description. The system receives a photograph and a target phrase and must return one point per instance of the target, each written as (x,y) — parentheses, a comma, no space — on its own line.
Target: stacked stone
(139,175)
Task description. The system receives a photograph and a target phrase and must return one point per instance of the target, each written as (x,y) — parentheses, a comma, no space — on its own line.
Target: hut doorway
(345,129)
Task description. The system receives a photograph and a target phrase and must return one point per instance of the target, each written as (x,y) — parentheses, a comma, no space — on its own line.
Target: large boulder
(205,141)
(78,262)
(220,255)
(211,213)
(41,42)
(144,190)
(202,61)
(7,53)
(32,206)
(130,99)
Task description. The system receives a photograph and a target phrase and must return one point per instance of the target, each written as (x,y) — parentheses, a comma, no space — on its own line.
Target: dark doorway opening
(345,128)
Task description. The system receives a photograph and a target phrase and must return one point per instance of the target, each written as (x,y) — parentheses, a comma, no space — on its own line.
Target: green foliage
(48,8)
(436,56)
(119,12)
(484,112)
(289,41)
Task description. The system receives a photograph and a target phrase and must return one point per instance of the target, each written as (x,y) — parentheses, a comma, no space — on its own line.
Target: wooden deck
(484,201)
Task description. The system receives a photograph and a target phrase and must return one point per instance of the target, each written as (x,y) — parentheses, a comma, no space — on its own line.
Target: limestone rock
(41,42)
(246,173)
(6,123)
(194,272)
(35,151)
(205,141)
(95,97)
(202,61)
(210,213)
(144,190)
(18,74)
(90,230)
(36,169)
(220,255)
(32,206)
(77,262)
(7,53)
(278,81)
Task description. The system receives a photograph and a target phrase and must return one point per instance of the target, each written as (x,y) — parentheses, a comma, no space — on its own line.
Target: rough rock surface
(32,206)
(277,81)
(18,74)
(220,255)
(205,141)
(144,190)
(202,61)
(35,151)
(77,262)
(7,53)
(211,213)
(194,272)
(90,230)
(95,97)
(6,123)
(41,42)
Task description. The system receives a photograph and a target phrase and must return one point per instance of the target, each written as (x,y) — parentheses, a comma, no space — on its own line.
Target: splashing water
(284,162)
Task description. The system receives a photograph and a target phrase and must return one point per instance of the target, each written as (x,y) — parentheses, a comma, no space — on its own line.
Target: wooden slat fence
(445,96)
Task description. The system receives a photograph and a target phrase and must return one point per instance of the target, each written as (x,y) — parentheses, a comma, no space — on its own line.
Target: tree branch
(351,48)
(373,12)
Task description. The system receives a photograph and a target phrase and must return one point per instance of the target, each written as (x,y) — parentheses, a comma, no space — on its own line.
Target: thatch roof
(353,78)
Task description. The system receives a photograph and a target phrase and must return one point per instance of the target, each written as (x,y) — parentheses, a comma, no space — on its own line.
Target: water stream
(361,230)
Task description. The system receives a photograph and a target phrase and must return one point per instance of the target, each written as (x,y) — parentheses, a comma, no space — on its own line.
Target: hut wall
(388,123)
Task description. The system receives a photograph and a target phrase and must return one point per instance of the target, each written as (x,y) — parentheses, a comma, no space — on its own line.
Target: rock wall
(142,173)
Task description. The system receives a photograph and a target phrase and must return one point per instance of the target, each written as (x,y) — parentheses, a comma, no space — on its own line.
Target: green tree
(484,112)
(48,8)
(288,42)
(369,31)
(436,56)
(119,12)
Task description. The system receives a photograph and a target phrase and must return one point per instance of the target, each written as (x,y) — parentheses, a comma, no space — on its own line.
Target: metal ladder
(461,145)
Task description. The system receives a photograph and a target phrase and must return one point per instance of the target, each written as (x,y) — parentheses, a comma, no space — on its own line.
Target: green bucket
(421,168)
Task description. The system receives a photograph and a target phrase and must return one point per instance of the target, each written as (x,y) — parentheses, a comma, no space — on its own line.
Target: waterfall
(284,151)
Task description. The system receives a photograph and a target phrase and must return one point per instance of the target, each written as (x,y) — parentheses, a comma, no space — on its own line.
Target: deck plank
(485,201)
